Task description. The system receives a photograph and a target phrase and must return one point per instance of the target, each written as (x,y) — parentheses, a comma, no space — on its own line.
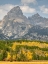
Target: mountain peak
(17,7)
(14,13)
(16,10)
(36,15)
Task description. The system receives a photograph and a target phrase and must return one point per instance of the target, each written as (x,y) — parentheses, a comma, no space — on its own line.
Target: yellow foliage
(26,53)
(29,55)
(46,54)
(14,57)
(23,51)
(18,55)
(14,46)
(8,56)
(41,45)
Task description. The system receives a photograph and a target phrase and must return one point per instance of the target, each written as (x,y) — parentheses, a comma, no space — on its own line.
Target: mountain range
(15,25)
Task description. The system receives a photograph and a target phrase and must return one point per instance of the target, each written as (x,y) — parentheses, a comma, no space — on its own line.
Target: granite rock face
(15,25)
(36,19)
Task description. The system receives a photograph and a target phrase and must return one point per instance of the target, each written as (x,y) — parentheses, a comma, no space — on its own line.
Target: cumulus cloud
(27,9)
(4,9)
(26,2)
(44,9)
(7,7)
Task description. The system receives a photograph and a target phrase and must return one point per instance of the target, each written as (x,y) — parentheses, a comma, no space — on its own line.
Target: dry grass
(33,62)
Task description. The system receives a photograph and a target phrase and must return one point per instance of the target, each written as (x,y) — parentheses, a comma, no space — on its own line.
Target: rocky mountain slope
(36,19)
(17,26)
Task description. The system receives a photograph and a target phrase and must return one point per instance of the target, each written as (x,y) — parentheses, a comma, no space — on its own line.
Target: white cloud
(27,9)
(4,9)
(26,2)
(44,9)
(7,7)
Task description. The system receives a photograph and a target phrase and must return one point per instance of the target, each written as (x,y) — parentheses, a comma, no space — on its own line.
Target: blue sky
(28,7)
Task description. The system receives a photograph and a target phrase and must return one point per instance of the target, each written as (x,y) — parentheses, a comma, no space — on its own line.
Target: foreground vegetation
(23,50)
(33,62)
